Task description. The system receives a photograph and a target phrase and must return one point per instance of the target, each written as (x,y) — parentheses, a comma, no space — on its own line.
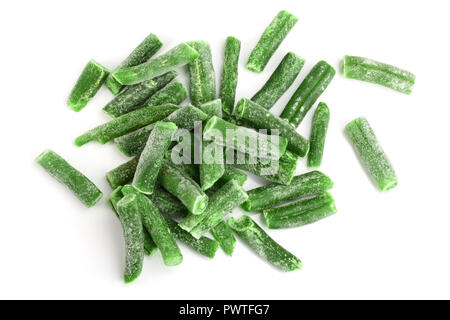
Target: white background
(393,245)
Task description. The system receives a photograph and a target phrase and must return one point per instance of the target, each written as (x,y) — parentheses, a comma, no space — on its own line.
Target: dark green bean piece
(229,79)
(318,135)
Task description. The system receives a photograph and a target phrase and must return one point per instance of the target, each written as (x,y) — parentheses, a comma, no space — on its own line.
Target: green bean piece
(133,232)
(89,82)
(318,134)
(152,156)
(243,139)
(229,78)
(301,212)
(204,245)
(260,118)
(174,93)
(202,83)
(183,187)
(223,234)
(123,174)
(368,70)
(167,203)
(144,51)
(115,197)
(178,56)
(271,195)
(281,171)
(73,179)
(187,117)
(132,144)
(308,92)
(371,155)
(156,225)
(125,124)
(221,203)
(263,245)
(280,80)
(230,173)
(133,97)
(270,40)
(212,108)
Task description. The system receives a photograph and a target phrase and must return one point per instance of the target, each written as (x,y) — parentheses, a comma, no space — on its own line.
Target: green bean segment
(318,135)
(229,78)
(223,234)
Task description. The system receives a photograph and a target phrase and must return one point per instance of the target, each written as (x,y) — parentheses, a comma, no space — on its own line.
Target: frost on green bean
(318,134)
(123,174)
(223,234)
(229,78)
(174,93)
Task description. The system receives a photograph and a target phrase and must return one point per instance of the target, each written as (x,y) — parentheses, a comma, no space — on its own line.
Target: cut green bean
(301,212)
(114,198)
(204,245)
(221,203)
(281,171)
(152,156)
(263,245)
(243,139)
(270,40)
(260,118)
(167,203)
(174,93)
(318,135)
(212,108)
(280,80)
(89,82)
(308,92)
(133,233)
(183,187)
(223,234)
(202,84)
(125,124)
(132,144)
(62,171)
(144,51)
(155,223)
(368,70)
(271,195)
(123,174)
(187,117)
(232,174)
(372,156)
(133,97)
(178,56)
(229,78)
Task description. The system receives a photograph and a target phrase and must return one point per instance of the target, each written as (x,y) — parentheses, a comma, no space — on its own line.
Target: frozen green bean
(123,174)
(132,144)
(144,51)
(308,92)
(270,40)
(260,118)
(280,80)
(167,203)
(212,108)
(263,245)
(223,234)
(125,124)
(187,117)
(271,195)
(91,79)
(133,97)
(229,78)
(318,135)
(62,171)
(202,83)
(368,70)
(371,155)
(300,212)
(178,56)
(174,93)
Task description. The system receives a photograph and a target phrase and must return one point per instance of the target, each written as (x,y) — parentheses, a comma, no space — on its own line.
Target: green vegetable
(318,135)
(308,92)
(229,196)
(270,40)
(89,82)
(62,171)
(155,223)
(167,203)
(125,124)
(132,97)
(202,77)
(223,234)
(144,51)
(301,212)
(123,174)
(364,69)
(229,78)
(178,56)
(133,232)
(280,80)
(264,245)
(183,187)
(260,118)
(212,108)
(372,156)
(271,195)
(187,117)
(132,144)
(174,93)
(152,156)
